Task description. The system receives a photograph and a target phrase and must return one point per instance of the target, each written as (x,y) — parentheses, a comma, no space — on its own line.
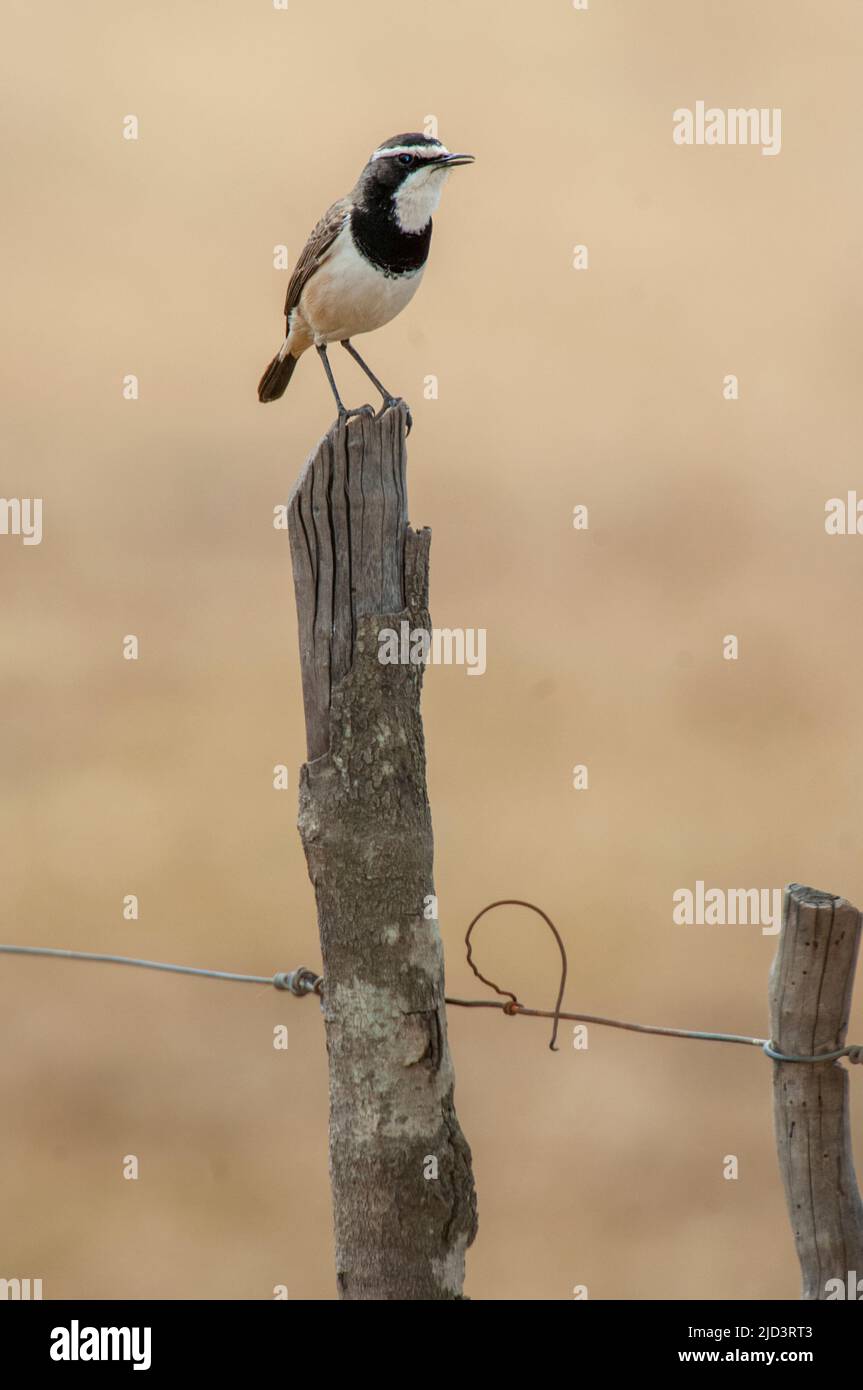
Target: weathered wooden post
(400,1167)
(810,999)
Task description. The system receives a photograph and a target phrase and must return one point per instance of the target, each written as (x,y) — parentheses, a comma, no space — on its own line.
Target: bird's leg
(344,414)
(349,347)
(387,398)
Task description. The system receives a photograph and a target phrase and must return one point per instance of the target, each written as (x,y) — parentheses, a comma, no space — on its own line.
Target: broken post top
(353,551)
(813,974)
(814,897)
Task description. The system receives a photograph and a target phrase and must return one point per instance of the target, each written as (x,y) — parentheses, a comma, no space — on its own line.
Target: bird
(364,261)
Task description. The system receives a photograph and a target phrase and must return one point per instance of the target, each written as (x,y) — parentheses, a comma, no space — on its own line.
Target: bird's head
(408,173)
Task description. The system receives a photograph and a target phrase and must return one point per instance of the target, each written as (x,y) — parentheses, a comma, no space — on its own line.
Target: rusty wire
(515,1006)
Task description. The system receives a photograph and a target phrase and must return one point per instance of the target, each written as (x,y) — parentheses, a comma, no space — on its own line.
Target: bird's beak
(450,161)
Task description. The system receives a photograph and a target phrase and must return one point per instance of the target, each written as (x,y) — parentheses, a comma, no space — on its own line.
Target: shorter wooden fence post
(811,983)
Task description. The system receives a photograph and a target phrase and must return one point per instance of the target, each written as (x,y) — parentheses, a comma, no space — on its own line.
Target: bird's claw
(390,401)
(357,410)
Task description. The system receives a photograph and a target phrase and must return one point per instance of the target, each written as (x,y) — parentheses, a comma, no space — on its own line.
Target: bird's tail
(273,383)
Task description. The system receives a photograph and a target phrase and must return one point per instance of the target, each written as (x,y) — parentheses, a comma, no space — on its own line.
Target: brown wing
(315,252)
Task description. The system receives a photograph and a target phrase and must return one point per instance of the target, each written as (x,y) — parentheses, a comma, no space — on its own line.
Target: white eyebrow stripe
(421,150)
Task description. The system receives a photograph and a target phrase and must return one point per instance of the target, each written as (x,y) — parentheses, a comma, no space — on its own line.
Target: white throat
(418,197)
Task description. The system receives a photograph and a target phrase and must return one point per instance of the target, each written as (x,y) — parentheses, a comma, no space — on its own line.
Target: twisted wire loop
(300,982)
(854,1053)
(515,1006)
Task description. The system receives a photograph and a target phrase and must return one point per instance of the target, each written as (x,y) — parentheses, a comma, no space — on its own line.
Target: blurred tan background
(557,387)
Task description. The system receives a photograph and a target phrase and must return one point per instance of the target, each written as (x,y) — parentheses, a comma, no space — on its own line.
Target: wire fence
(304,981)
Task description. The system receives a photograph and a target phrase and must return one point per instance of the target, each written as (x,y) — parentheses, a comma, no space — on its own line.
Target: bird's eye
(406,159)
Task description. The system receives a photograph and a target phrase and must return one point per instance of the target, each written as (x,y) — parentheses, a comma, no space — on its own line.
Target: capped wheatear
(364,260)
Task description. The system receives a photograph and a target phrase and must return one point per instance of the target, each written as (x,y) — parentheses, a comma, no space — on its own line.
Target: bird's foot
(358,410)
(397,400)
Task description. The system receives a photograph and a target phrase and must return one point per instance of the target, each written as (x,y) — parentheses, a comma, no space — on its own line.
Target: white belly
(348,295)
